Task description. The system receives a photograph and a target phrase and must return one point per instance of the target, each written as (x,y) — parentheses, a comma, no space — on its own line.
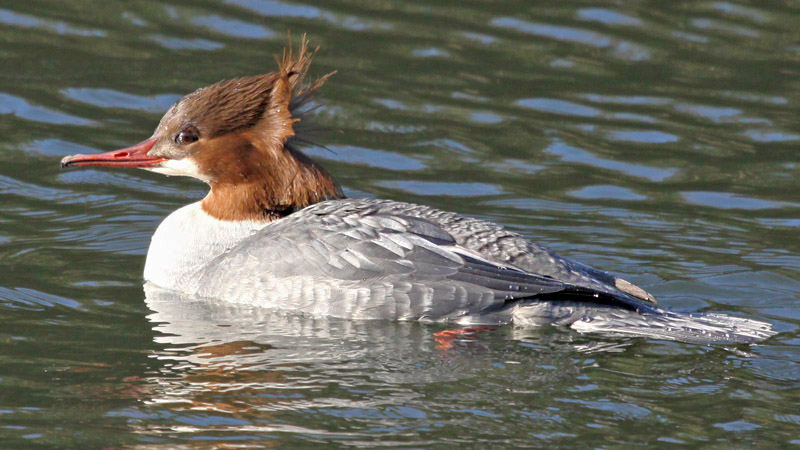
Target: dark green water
(652,139)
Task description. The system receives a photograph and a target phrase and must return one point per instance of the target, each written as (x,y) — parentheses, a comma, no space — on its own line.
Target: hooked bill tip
(65,161)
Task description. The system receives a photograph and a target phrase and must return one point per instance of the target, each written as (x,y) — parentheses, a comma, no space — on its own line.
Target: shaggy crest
(271,101)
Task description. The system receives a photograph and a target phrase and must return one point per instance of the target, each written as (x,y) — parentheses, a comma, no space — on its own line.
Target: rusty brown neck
(265,187)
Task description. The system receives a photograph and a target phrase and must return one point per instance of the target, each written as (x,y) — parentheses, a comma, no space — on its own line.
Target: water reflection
(16,19)
(109,98)
(20,107)
(271,357)
(226,368)
(233,27)
(620,48)
(571,154)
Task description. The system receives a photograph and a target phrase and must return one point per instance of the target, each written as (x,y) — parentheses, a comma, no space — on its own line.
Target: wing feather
(372,264)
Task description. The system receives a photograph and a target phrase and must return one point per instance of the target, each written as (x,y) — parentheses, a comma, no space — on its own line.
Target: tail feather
(696,328)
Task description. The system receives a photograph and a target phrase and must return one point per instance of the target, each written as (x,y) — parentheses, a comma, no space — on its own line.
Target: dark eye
(187,136)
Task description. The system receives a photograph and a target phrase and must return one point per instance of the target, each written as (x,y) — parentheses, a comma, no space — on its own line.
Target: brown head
(236,135)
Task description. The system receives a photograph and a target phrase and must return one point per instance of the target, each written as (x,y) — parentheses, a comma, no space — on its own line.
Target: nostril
(121,155)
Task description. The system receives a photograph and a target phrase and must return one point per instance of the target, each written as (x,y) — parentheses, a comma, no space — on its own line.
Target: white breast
(186,241)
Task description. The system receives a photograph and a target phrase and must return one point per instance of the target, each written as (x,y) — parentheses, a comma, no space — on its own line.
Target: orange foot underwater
(445,338)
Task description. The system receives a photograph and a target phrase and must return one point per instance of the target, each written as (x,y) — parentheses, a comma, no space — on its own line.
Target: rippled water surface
(655,140)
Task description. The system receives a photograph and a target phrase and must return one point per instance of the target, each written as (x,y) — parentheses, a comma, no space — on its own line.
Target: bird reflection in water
(242,368)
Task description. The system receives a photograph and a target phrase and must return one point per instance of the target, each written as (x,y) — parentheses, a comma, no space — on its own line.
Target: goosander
(275,230)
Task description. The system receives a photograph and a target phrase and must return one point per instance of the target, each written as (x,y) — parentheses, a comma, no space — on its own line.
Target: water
(654,141)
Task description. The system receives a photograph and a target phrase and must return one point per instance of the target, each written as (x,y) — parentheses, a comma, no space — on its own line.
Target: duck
(276,230)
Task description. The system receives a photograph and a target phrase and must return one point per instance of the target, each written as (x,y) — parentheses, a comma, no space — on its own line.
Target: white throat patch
(184,167)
